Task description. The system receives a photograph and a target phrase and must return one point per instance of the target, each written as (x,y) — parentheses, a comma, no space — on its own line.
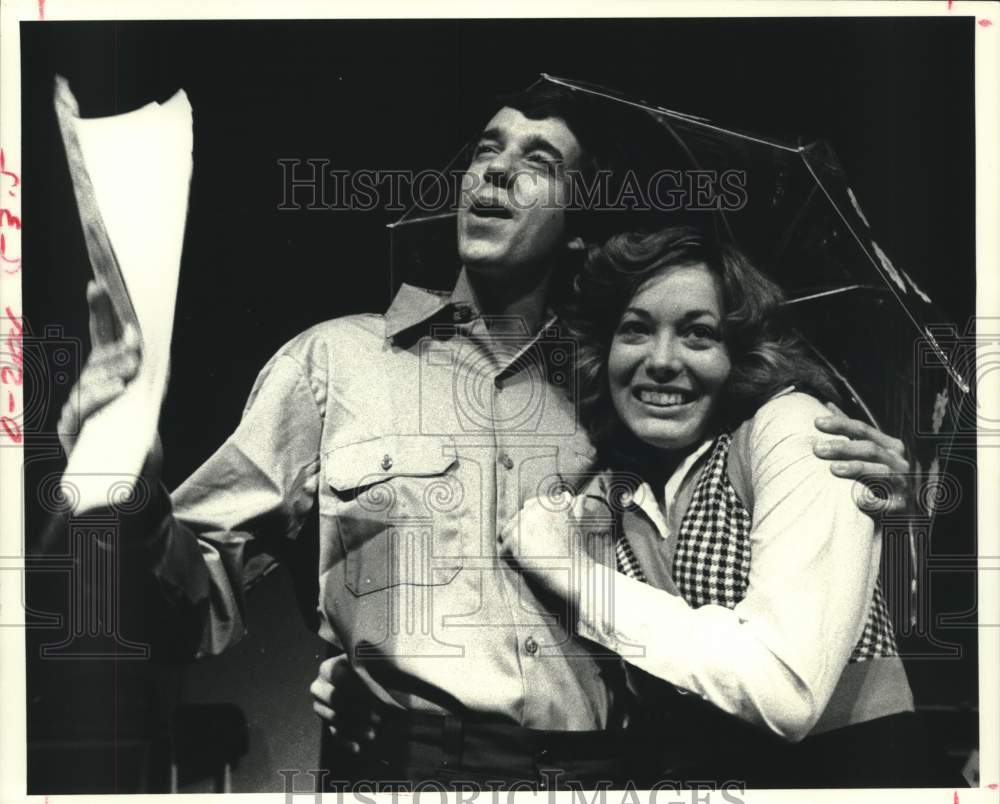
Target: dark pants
(444,751)
(675,739)
(690,740)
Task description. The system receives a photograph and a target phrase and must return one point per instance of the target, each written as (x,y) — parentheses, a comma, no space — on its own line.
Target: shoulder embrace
(791,406)
(787,417)
(778,451)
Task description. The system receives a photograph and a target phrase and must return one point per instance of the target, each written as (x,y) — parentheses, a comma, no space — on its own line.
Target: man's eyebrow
(539,143)
(490,134)
(533,143)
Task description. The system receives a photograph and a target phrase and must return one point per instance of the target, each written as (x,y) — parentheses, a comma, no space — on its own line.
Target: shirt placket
(519,393)
(516,385)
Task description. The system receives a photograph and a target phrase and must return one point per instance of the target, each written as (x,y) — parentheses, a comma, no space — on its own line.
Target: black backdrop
(895,97)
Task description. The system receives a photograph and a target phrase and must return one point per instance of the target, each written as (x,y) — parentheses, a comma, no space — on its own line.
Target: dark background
(895,98)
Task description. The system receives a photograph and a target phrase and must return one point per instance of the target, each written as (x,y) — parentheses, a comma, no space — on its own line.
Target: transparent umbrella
(798,218)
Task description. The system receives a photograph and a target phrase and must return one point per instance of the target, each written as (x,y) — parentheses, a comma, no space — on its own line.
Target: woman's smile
(668,361)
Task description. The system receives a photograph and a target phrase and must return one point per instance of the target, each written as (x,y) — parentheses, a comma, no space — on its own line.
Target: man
(419,434)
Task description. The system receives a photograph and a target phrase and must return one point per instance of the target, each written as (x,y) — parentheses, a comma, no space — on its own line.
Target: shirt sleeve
(775,658)
(243,503)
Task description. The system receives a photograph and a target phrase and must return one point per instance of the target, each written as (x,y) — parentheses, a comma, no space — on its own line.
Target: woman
(753,573)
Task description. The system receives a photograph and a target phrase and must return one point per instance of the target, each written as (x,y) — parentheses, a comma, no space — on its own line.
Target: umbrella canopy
(792,210)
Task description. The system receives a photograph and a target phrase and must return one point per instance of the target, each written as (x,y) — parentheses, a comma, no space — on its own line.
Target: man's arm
(244,503)
(248,498)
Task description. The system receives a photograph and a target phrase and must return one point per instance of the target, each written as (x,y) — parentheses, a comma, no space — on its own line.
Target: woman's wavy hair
(766,354)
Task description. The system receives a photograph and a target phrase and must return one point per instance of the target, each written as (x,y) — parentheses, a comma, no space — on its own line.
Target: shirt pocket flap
(364,463)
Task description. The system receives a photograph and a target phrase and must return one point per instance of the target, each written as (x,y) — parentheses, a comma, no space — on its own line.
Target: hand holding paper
(112,364)
(131,175)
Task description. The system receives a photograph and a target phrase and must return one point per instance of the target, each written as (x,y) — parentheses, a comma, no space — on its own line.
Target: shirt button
(506,461)
(386,463)
(530,646)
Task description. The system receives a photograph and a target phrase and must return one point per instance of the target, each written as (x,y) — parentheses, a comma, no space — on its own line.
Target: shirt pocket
(397,512)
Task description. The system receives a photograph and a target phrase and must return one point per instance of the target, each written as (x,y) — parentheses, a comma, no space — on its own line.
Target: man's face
(511,215)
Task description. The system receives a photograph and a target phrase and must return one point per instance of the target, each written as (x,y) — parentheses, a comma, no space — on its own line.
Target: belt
(413,747)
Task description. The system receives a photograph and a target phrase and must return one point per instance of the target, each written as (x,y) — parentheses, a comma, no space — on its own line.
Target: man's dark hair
(617,140)
(578,111)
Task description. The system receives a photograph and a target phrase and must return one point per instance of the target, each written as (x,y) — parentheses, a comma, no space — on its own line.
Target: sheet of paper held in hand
(131,174)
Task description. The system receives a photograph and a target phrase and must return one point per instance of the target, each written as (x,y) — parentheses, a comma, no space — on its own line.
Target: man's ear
(576,244)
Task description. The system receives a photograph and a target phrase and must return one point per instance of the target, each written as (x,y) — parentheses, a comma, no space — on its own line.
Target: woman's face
(668,361)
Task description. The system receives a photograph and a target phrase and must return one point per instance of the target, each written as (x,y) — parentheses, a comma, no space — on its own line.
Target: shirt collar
(413,306)
(602,485)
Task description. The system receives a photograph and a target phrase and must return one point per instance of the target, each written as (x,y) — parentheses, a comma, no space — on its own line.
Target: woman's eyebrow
(687,316)
(692,314)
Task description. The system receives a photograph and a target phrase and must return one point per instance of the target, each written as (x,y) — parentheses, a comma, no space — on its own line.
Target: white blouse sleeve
(776,657)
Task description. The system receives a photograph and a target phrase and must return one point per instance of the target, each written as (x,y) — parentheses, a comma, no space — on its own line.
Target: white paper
(140,167)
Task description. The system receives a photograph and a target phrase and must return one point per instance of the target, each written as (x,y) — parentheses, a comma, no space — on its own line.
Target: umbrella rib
(438,217)
(696,121)
(790,229)
(856,397)
(921,329)
(832,292)
(864,248)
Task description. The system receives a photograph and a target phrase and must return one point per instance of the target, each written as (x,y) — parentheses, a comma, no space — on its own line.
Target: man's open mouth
(484,208)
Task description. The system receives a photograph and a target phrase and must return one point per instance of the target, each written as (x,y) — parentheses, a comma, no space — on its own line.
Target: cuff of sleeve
(609,603)
(145,519)
(143,522)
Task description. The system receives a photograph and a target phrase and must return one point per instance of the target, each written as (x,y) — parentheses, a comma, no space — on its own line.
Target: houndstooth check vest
(712,562)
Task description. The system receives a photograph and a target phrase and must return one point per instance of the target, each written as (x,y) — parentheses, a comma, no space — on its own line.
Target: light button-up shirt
(413,437)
